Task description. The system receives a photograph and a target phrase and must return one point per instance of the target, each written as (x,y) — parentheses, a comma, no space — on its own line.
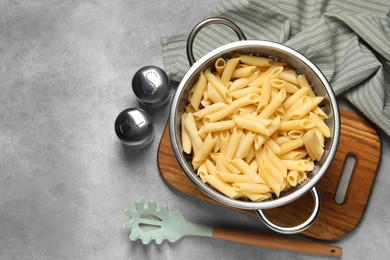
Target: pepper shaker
(134,128)
(151,86)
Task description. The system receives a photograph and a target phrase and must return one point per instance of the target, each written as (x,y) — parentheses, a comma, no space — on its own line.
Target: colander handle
(299,228)
(201,25)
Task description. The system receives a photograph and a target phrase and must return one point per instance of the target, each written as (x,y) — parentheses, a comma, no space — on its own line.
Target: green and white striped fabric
(348,40)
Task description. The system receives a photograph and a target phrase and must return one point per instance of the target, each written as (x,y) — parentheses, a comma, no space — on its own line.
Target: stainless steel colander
(302,65)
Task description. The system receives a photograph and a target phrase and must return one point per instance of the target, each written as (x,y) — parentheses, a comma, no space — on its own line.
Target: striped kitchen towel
(348,40)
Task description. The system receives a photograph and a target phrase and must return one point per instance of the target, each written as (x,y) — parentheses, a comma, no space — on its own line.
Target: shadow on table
(130,154)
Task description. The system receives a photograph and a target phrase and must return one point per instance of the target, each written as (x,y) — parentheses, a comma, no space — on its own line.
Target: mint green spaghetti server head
(149,221)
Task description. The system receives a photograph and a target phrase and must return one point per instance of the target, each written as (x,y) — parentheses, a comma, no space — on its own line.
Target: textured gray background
(65,179)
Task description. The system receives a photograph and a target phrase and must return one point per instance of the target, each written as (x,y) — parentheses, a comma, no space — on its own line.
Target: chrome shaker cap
(151,86)
(134,127)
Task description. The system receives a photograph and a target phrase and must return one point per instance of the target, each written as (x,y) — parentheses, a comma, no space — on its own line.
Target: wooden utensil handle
(277,242)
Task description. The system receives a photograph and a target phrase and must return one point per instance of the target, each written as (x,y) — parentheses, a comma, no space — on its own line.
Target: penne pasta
(251,187)
(292,178)
(257,119)
(216,147)
(234,141)
(320,124)
(253,128)
(256,60)
(221,186)
(289,76)
(275,72)
(219,157)
(214,95)
(247,170)
(244,92)
(189,108)
(281,139)
(265,94)
(210,167)
(243,72)
(233,178)
(282,84)
(303,83)
(224,137)
(228,71)
(243,82)
(320,136)
(295,97)
(320,113)
(296,124)
(252,163)
(257,196)
(192,130)
(276,161)
(198,91)
(313,145)
(272,183)
(245,145)
(272,128)
(217,126)
(291,145)
(302,176)
(295,134)
(295,106)
(280,112)
(273,171)
(218,85)
(293,155)
(242,111)
(273,105)
(204,151)
(198,115)
(185,138)
(242,102)
(202,170)
(295,165)
(205,102)
(259,81)
(273,146)
(220,166)
(220,65)
(305,108)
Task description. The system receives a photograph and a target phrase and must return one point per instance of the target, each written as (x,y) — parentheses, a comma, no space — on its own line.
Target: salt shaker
(151,86)
(134,127)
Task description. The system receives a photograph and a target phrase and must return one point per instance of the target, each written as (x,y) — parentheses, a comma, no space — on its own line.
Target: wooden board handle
(277,242)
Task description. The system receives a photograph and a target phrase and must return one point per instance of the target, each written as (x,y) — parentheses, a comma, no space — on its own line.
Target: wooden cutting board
(357,138)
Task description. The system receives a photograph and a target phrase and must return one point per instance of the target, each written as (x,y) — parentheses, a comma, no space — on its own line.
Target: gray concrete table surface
(65,179)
